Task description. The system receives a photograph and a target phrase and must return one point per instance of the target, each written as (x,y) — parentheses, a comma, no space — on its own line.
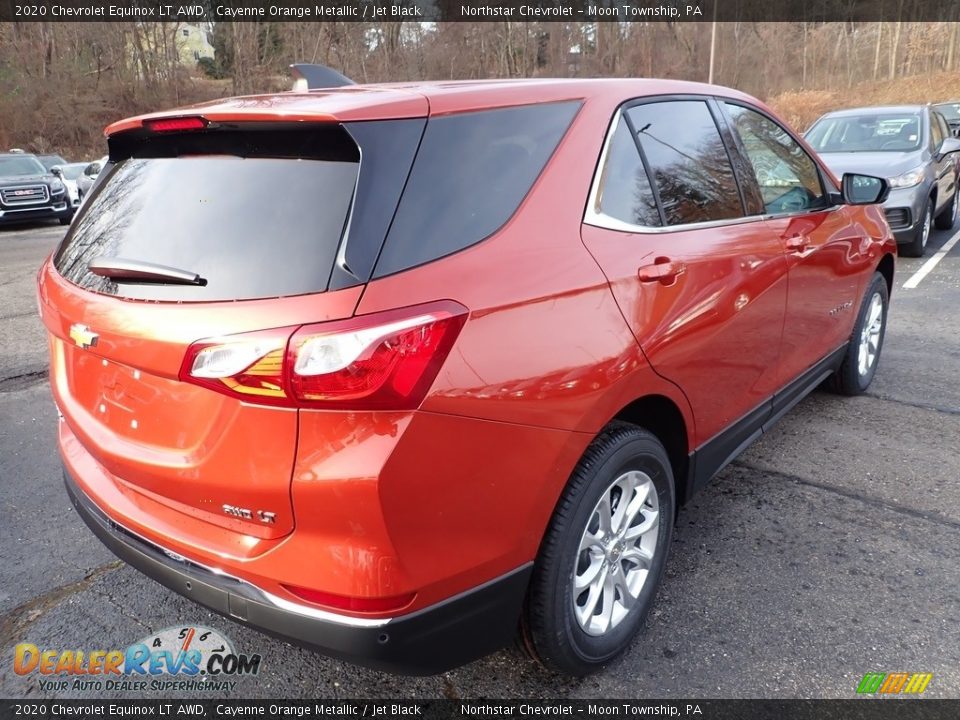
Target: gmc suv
(28,191)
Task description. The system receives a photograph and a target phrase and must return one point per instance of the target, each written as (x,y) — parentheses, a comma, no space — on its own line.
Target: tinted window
(470,175)
(789,179)
(688,161)
(249,226)
(875,132)
(624,191)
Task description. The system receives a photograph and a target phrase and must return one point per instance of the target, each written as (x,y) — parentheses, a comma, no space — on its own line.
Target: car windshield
(951,111)
(13,166)
(877,132)
(73,170)
(49,161)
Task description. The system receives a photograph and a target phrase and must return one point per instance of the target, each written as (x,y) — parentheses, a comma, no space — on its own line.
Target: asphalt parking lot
(829,549)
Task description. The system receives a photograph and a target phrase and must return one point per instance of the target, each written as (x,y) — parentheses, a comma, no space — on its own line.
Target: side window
(936,132)
(624,189)
(688,161)
(944,126)
(789,179)
(470,175)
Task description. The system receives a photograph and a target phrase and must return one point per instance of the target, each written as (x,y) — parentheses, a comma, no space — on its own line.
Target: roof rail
(313,77)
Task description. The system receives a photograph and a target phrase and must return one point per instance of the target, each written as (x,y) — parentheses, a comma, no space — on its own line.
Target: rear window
(470,175)
(263,222)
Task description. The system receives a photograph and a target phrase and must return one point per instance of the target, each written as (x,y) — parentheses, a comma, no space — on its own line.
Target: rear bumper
(429,641)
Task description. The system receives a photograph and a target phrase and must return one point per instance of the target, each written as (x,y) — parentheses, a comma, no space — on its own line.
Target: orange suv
(395,370)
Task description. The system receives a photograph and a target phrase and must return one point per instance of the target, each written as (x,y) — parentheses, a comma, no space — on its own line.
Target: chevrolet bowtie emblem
(83,336)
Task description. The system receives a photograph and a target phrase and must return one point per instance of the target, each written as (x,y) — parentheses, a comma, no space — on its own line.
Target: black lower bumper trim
(426,642)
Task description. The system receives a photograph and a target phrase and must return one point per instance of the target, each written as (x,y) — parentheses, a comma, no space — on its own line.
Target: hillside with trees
(61,83)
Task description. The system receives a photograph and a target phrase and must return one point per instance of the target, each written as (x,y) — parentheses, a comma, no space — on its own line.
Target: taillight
(385,361)
(175,124)
(248,365)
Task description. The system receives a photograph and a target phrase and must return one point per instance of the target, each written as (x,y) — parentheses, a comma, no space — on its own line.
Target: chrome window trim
(594,217)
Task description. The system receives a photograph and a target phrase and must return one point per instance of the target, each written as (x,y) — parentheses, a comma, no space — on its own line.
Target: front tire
(918,245)
(604,553)
(948,216)
(866,341)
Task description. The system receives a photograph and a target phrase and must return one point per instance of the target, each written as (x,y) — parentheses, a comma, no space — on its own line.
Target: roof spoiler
(313,77)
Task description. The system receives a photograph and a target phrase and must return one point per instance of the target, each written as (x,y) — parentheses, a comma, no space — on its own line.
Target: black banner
(857,709)
(478,10)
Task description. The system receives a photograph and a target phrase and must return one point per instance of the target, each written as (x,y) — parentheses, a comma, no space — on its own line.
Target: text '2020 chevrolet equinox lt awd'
(395,370)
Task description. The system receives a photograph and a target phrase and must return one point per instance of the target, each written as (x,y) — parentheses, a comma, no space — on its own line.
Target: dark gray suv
(28,191)
(911,146)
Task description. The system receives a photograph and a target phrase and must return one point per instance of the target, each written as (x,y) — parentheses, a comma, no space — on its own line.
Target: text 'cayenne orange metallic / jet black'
(394,371)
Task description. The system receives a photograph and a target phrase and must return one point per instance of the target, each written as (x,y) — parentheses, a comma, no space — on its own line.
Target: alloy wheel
(616,553)
(870,335)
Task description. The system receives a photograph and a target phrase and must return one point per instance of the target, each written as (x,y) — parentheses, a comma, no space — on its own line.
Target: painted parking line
(930,264)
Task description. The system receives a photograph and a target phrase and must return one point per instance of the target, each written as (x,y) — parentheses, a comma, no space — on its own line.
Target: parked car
(951,113)
(912,146)
(70,174)
(51,161)
(89,176)
(454,376)
(28,191)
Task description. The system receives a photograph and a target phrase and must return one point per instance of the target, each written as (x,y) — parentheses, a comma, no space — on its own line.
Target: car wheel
(65,220)
(863,353)
(948,216)
(917,246)
(604,553)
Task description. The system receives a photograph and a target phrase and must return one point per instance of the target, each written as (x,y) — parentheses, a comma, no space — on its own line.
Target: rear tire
(866,341)
(603,555)
(918,245)
(948,216)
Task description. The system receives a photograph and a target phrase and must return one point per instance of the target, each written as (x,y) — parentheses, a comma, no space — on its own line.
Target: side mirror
(949,145)
(864,189)
(57,170)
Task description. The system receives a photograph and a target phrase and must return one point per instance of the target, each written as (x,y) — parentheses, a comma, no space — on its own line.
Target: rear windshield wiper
(121,270)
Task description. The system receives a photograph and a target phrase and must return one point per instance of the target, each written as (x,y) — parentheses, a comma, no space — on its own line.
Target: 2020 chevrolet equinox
(395,370)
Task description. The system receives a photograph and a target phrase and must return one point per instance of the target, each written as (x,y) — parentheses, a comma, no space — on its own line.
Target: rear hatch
(197,233)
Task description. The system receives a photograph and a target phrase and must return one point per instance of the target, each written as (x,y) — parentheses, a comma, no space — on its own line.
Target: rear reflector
(353,604)
(385,361)
(175,124)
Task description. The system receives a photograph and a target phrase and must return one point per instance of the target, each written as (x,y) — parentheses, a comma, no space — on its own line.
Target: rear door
(826,254)
(193,240)
(702,286)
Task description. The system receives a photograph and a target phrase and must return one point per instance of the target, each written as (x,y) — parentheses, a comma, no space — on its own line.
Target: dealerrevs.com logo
(177,658)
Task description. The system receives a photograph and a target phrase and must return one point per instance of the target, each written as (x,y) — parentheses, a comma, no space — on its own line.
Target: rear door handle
(798,243)
(662,270)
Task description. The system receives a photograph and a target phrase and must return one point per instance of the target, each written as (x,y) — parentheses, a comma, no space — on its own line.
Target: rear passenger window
(687,160)
(789,179)
(624,192)
(471,174)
